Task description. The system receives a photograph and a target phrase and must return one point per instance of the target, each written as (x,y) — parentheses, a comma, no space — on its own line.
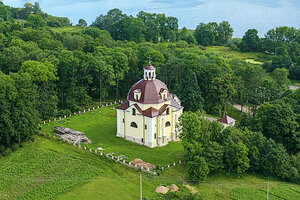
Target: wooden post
(141,186)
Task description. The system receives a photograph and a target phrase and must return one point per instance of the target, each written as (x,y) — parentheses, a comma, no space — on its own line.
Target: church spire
(149,72)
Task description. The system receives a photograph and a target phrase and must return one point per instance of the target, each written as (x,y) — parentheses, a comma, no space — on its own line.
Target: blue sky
(241,14)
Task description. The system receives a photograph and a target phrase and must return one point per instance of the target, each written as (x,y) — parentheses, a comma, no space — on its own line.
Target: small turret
(149,72)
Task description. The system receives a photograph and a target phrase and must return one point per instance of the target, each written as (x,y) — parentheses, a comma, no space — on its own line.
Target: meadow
(50,169)
(99,125)
(251,57)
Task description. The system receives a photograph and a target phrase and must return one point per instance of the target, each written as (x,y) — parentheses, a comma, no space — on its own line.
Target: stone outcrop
(71,135)
(173,188)
(164,190)
(145,165)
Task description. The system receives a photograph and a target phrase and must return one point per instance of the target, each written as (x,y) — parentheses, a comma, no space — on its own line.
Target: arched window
(168,111)
(167,124)
(133,111)
(133,124)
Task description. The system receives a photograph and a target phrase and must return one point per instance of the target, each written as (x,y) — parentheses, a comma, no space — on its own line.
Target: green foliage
(5,14)
(213,33)
(277,120)
(198,169)
(146,26)
(35,21)
(233,149)
(187,36)
(40,72)
(189,92)
(82,22)
(250,41)
(213,154)
(75,42)
(18,119)
(236,157)
(12,59)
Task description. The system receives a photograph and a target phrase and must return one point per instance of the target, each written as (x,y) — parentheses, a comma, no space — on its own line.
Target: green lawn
(101,127)
(49,169)
(252,57)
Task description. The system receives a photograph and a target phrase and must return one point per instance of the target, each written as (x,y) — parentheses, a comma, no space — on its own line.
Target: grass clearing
(252,57)
(67,29)
(100,126)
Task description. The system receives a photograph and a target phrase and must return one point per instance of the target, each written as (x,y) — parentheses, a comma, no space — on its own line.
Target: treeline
(8,13)
(267,143)
(155,28)
(283,42)
(145,27)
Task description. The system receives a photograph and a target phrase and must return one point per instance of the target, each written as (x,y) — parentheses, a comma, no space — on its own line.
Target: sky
(262,15)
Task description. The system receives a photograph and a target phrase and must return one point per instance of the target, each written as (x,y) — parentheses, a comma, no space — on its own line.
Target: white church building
(150,114)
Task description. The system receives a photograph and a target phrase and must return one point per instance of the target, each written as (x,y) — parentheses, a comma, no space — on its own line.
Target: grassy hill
(100,126)
(252,57)
(49,169)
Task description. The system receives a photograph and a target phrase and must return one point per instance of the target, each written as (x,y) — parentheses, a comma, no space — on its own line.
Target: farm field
(49,169)
(100,126)
(252,57)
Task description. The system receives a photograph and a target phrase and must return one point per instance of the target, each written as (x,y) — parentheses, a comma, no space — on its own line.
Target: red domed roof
(149,67)
(150,91)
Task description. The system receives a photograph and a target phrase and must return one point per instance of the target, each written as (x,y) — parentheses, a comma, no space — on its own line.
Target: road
(292,87)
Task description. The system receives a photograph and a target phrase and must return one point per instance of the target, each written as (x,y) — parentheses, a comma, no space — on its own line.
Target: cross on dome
(149,59)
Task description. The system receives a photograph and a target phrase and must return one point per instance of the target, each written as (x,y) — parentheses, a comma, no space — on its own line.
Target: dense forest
(48,72)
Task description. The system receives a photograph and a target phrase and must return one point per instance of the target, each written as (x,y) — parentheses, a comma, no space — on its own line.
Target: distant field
(252,57)
(188,30)
(100,126)
(49,169)
(68,29)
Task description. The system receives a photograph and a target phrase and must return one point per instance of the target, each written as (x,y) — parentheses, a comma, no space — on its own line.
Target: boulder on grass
(162,189)
(173,188)
(145,165)
(70,135)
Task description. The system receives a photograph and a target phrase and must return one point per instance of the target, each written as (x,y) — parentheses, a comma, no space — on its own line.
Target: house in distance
(150,113)
(227,121)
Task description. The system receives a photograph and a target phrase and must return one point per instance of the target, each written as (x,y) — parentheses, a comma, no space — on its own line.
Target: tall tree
(277,120)
(250,41)
(82,22)
(189,92)
(225,32)
(206,34)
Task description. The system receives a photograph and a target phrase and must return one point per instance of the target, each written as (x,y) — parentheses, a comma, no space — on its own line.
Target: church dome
(149,90)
